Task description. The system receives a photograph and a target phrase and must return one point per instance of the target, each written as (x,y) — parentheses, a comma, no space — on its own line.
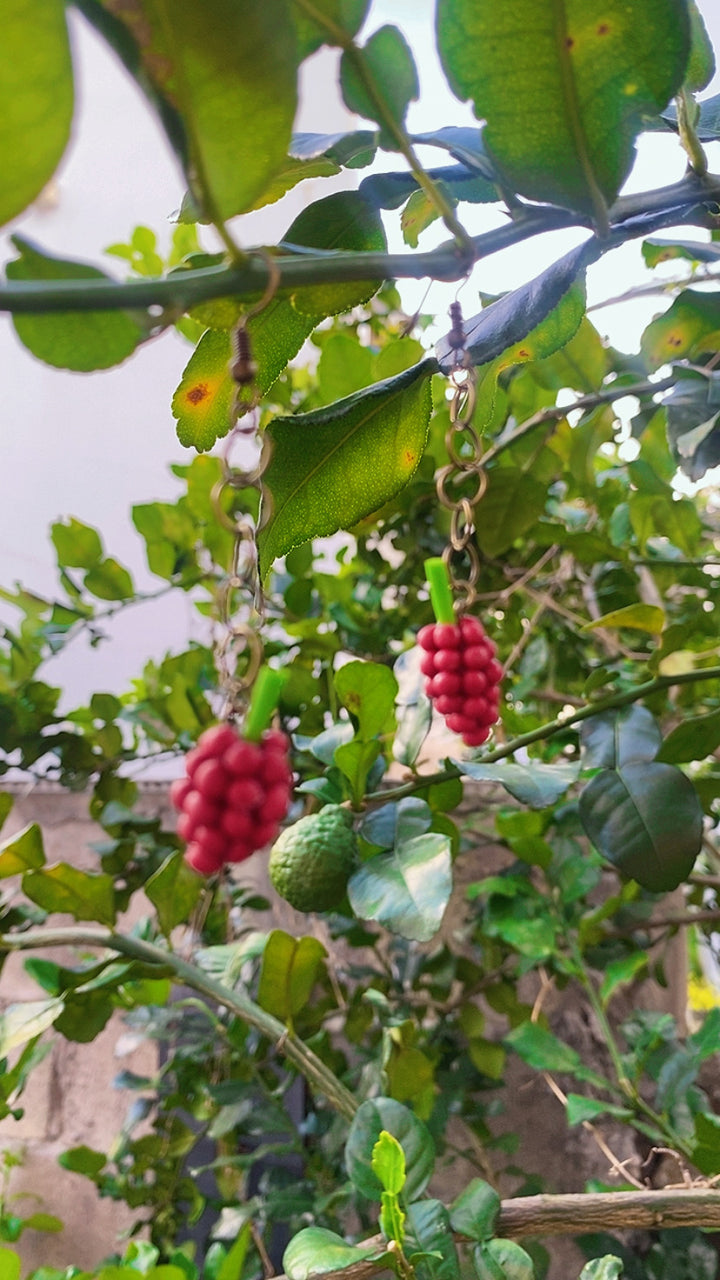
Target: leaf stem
(687,114)
(312,1068)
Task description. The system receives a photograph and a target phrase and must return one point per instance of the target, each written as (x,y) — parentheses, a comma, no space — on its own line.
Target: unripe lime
(312,861)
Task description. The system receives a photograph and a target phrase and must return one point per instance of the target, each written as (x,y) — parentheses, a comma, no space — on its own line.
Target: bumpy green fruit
(312,861)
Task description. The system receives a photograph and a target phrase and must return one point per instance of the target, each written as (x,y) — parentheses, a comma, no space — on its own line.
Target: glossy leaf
(646,819)
(637,617)
(616,738)
(406,890)
(694,738)
(290,967)
(368,691)
(429,1226)
(315,1250)
(535,784)
(84,895)
(689,327)
(22,1022)
(503,1260)
(22,852)
(344,220)
(224,79)
(564,91)
(393,824)
(330,468)
(387,63)
(475,1211)
(693,418)
(77,340)
(546,312)
(36,91)
(371,1118)
(173,890)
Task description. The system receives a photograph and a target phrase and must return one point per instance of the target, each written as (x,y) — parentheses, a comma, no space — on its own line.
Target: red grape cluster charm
(462,677)
(233,797)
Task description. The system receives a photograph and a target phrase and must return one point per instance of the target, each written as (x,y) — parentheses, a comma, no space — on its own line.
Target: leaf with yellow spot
(202,401)
(331,468)
(688,328)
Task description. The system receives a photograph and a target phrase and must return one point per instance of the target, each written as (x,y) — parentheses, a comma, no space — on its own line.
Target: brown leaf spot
(674,340)
(197,393)
(523,354)
(603,28)
(569,42)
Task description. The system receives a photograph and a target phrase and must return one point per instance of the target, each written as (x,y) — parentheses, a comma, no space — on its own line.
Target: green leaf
(84,895)
(510,506)
(541,1050)
(83,1160)
(392,1218)
(701,63)
(393,824)
(616,738)
(344,220)
(579,1109)
(608,1268)
(429,1224)
(706,1145)
(347,15)
(355,760)
(693,413)
(406,890)
(368,690)
(78,546)
(315,1250)
(371,1118)
(531,322)
(22,852)
(290,968)
(44,1222)
(564,91)
(333,467)
(344,366)
(379,81)
(388,1163)
(10,1265)
(173,890)
(637,617)
(689,328)
(475,1211)
(692,739)
(225,78)
(22,1022)
(6,804)
(503,1260)
(201,403)
(36,92)
(77,340)
(109,580)
(621,972)
(536,785)
(647,820)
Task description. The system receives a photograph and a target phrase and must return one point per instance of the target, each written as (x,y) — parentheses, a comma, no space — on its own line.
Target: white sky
(91,445)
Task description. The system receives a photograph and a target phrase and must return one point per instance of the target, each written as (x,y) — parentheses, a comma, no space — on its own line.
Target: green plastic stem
(263,702)
(440,590)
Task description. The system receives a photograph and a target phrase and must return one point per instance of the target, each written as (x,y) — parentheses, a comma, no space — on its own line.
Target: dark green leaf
(84,895)
(536,785)
(465,145)
(36,91)
(341,221)
(22,852)
(224,76)
(564,92)
(647,820)
(693,410)
(474,1212)
(78,340)
(541,1049)
(355,760)
(315,1250)
(333,467)
(615,738)
(173,890)
(545,313)
(607,1268)
(371,1118)
(579,1109)
(290,968)
(503,1260)
(706,1146)
(692,739)
(429,1224)
(510,506)
(406,890)
(390,190)
(380,81)
(6,804)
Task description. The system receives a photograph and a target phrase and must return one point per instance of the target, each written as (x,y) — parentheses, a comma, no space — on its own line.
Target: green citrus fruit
(312,861)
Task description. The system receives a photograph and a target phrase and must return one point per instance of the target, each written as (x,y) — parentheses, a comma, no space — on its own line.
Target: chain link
(463,445)
(237,645)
